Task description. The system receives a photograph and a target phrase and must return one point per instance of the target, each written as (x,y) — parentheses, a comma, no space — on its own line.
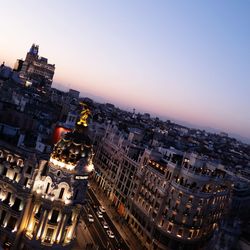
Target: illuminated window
(190,199)
(49,235)
(162,222)
(180,232)
(190,234)
(20,162)
(9,158)
(170,226)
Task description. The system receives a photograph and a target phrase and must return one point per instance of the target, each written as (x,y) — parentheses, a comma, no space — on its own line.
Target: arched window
(47,188)
(61,193)
(9,158)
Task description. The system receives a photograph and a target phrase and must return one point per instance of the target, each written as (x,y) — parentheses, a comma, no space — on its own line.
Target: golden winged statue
(85,113)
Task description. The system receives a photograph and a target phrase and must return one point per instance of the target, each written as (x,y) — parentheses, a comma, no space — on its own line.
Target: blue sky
(187,60)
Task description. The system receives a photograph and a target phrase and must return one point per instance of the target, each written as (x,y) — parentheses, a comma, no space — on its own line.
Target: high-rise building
(35,69)
(40,201)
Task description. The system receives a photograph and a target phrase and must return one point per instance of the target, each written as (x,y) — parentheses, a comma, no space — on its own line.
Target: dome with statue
(75,147)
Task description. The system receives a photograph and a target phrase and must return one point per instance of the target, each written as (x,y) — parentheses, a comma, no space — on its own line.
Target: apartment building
(171,200)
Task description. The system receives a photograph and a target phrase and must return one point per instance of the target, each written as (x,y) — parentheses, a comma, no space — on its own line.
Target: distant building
(18,65)
(5,72)
(74,93)
(35,69)
(223,134)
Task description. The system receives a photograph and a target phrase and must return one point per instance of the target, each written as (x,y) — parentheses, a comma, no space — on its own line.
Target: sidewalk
(119,222)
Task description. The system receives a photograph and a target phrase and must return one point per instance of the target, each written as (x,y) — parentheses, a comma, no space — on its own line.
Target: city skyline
(186,61)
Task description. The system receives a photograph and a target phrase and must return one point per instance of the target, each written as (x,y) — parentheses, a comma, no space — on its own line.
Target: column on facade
(41,223)
(30,224)
(6,219)
(23,222)
(61,229)
(73,226)
(43,230)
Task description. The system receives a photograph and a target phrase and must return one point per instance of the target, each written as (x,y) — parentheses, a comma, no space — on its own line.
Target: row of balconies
(205,189)
(203,173)
(191,190)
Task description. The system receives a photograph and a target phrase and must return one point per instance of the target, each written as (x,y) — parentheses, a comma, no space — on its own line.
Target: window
(176,205)
(54,216)
(2,217)
(162,222)
(4,171)
(16,204)
(26,181)
(47,188)
(49,235)
(15,176)
(20,162)
(39,212)
(9,158)
(173,217)
(61,193)
(29,170)
(7,199)
(170,226)
(190,199)
(180,232)
(190,234)
(11,223)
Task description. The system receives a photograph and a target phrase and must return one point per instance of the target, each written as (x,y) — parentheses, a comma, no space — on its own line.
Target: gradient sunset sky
(186,60)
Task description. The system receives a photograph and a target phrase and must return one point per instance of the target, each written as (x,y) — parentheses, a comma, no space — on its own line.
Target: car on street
(90,218)
(110,234)
(102,209)
(99,214)
(105,224)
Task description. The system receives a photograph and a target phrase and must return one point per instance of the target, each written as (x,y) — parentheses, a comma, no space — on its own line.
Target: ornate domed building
(57,192)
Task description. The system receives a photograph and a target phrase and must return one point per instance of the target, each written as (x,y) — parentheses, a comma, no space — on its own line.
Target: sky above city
(184,60)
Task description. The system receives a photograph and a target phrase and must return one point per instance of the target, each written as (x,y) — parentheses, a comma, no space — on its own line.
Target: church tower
(59,190)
